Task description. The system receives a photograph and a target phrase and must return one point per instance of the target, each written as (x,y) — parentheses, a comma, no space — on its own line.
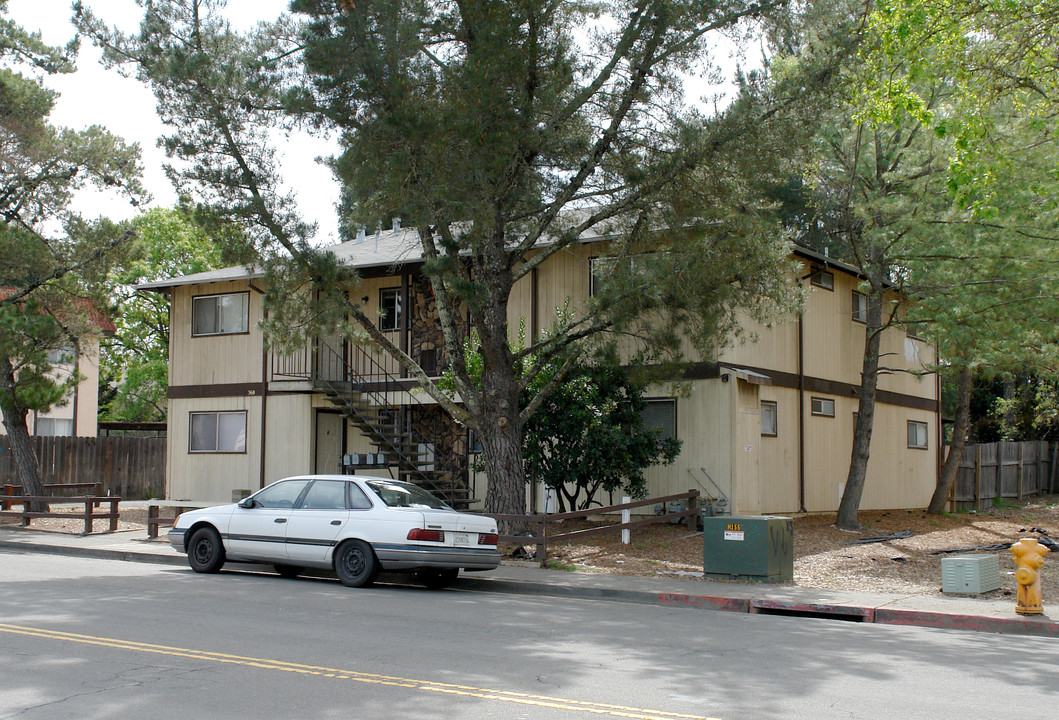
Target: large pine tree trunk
(15,415)
(501,439)
(940,499)
(849,507)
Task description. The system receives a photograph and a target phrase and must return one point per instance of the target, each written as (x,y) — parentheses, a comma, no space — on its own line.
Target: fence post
(542,542)
(88,516)
(626,517)
(693,508)
(977,476)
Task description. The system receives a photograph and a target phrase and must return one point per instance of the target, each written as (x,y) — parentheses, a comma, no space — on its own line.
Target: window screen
(661,414)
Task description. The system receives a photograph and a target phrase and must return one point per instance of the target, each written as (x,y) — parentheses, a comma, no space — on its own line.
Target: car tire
(355,564)
(205,551)
(288,571)
(438,578)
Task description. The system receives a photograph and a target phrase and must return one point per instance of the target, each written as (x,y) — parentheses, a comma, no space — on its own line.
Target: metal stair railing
(365,389)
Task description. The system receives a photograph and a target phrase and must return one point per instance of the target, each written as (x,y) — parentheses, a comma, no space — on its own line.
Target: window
(769,418)
(219,432)
(357,499)
(917,435)
(661,414)
(390,309)
(824,407)
(280,495)
(326,495)
(64,355)
(860,307)
(823,279)
(598,268)
(220,314)
(54,427)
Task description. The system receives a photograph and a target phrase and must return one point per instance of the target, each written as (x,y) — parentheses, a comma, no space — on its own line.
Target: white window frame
(53,427)
(770,410)
(819,406)
(860,307)
(921,429)
(217,414)
(244,321)
(390,322)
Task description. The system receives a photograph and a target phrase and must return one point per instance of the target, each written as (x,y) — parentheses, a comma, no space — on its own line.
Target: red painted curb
(924,618)
(707,602)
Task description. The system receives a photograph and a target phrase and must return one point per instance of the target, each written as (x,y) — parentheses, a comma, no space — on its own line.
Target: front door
(329,430)
(260,532)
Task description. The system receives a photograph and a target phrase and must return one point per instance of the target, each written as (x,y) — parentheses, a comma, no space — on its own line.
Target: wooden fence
(131,467)
(992,472)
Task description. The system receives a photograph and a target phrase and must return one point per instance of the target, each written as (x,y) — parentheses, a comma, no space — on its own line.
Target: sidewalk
(525,578)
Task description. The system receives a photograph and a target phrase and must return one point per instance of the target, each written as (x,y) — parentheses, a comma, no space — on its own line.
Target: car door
(258,530)
(314,525)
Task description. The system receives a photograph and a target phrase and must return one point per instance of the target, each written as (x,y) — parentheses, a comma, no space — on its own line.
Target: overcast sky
(95,96)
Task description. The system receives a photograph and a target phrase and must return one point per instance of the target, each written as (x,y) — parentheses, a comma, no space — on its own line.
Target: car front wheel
(205,551)
(355,564)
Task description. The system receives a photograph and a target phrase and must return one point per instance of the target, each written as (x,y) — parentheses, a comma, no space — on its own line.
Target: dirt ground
(824,556)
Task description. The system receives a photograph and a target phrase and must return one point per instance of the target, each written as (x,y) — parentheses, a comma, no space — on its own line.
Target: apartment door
(330,427)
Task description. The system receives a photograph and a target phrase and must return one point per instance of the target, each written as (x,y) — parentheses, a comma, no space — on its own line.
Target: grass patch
(558,565)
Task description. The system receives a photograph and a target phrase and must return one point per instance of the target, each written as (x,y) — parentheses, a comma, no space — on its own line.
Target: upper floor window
(824,407)
(661,413)
(917,435)
(823,279)
(390,309)
(218,432)
(64,355)
(769,418)
(227,314)
(860,307)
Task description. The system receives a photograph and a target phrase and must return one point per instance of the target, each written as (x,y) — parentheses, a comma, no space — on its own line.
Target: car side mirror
(247,502)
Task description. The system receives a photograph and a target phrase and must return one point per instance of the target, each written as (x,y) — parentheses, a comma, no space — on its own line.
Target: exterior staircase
(368,398)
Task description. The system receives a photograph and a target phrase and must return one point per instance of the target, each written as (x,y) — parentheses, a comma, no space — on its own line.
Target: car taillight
(488,538)
(426,535)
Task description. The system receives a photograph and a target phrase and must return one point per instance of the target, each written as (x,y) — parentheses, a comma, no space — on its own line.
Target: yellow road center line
(340,674)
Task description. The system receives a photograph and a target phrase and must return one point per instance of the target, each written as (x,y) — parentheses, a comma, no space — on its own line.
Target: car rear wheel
(205,551)
(288,571)
(436,579)
(355,564)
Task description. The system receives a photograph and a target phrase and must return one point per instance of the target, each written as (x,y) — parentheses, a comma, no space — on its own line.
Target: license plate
(461,539)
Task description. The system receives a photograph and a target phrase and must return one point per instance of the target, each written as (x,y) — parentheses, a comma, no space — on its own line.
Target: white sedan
(354,524)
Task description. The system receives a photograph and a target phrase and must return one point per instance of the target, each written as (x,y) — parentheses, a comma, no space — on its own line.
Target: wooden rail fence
(132,467)
(88,515)
(541,522)
(992,472)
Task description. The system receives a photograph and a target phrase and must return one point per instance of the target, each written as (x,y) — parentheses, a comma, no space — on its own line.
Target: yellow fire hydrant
(1029,556)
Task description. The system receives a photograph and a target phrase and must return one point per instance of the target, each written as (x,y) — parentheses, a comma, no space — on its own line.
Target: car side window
(325,495)
(281,494)
(357,499)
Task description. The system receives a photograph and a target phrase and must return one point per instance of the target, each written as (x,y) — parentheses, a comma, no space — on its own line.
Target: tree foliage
(134,363)
(51,259)
(503,133)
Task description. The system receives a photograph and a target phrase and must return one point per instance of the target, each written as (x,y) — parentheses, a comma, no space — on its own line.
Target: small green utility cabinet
(759,548)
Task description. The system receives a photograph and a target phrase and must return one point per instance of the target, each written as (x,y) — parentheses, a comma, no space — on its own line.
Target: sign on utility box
(758,548)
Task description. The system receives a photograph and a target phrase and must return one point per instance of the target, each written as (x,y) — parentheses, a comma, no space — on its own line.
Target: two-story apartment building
(767,425)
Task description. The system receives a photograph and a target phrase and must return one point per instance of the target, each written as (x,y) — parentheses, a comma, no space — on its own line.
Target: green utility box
(759,548)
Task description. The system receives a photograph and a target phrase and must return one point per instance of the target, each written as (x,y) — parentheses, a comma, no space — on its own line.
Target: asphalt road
(105,639)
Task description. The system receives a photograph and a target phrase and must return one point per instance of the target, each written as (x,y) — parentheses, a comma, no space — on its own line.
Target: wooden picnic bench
(155,517)
(90,502)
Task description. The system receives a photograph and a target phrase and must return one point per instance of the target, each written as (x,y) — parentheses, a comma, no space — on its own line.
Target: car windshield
(400,494)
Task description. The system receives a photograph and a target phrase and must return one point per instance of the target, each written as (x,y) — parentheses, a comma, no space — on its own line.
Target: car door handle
(280,520)
(336,522)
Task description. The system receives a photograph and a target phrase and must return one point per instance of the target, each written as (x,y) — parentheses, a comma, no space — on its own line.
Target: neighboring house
(77,416)
(766,428)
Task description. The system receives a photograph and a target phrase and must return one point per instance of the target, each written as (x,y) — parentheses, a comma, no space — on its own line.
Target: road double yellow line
(506,696)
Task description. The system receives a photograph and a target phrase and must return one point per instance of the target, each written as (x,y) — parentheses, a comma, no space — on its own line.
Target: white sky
(95,96)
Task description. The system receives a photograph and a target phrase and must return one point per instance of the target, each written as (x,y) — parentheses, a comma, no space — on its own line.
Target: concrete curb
(1034,626)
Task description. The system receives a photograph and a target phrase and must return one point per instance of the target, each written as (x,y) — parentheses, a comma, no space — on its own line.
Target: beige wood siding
(288,439)
(214,359)
(212,476)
